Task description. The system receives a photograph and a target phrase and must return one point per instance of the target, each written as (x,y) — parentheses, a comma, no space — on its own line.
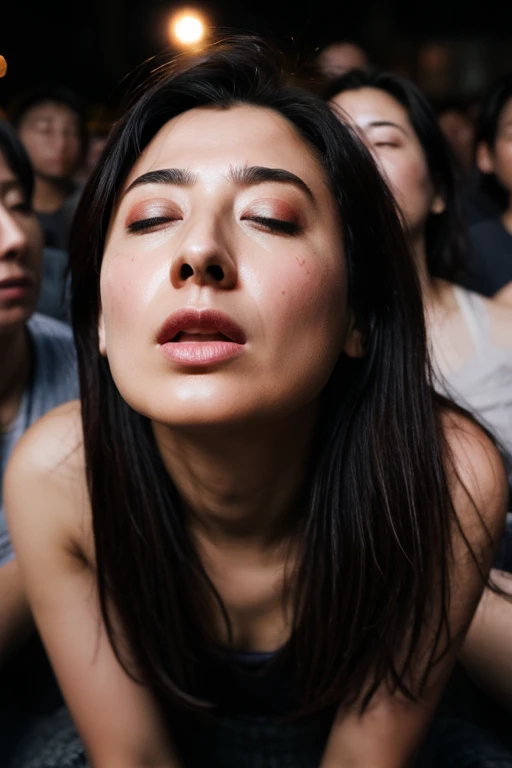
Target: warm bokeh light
(187,28)
(3,66)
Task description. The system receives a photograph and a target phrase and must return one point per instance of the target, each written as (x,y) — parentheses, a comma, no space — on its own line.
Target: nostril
(216,272)
(186,271)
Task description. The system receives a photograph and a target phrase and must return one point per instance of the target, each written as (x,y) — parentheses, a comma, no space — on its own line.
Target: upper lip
(15,280)
(206,320)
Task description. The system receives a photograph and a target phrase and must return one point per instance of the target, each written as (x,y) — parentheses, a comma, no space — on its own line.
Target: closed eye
(277,225)
(147,224)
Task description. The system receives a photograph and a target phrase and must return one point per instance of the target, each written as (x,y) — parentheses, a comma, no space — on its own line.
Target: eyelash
(285,227)
(143,224)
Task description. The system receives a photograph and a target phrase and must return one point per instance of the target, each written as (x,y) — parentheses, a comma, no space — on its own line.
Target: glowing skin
(21,243)
(50,133)
(386,128)
(211,247)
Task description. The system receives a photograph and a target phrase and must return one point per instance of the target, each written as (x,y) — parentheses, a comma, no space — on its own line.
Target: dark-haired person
(256,527)
(490,265)
(470,336)
(51,123)
(37,373)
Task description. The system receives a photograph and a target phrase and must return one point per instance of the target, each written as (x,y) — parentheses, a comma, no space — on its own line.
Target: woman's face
(21,245)
(223,283)
(385,127)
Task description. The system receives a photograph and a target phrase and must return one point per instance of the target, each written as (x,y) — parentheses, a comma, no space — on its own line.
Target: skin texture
(20,256)
(271,283)
(234,438)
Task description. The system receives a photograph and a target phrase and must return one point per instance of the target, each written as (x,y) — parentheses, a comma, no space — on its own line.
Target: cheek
(411,186)
(303,300)
(127,288)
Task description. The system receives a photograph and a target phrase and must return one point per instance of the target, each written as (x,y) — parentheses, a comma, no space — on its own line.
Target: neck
(427,283)
(50,194)
(241,485)
(15,357)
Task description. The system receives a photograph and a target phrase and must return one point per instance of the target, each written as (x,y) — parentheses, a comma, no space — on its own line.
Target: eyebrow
(243,176)
(385,124)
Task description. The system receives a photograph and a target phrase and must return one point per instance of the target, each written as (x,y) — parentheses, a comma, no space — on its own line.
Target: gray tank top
(483,384)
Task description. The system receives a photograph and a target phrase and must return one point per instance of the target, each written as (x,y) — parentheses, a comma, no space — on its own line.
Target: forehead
(50,110)
(220,138)
(366,105)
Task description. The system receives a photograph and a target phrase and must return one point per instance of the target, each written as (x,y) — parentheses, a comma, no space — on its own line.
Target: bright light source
(188,28)
(3,66)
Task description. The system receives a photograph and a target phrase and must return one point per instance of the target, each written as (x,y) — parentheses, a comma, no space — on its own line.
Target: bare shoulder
(44,482)
(476,474)
(52,440)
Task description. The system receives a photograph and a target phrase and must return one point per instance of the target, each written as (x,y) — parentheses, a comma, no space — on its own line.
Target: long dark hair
(17,159)
(374,535)
(446,239)
(492,106)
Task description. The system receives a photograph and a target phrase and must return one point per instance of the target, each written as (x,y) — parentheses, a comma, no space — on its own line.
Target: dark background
(451,48)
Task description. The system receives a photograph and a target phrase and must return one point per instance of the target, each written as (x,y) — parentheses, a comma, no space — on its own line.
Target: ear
(101,335)
(484,158)
(353,346)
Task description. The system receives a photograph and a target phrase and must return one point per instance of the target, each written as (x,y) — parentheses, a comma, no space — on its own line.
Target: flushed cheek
(304,301)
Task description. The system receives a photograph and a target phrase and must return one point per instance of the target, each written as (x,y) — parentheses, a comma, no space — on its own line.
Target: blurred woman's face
(223,283)
(21,246)
(385,127)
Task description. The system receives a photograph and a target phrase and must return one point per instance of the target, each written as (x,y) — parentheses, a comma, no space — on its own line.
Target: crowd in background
(450,170)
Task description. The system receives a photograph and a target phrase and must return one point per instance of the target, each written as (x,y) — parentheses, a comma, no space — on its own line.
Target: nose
(204,258)
(13,239)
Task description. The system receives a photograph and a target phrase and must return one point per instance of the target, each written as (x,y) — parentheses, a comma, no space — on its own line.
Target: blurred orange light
(187,28)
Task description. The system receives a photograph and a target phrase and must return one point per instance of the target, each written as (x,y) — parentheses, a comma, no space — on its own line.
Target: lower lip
(14,292)
(201,353)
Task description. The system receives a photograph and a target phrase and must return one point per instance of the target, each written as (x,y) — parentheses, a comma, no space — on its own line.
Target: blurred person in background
(37,373)
(339,57)
(490,257)
(459,129)
(51,123)
(470,336)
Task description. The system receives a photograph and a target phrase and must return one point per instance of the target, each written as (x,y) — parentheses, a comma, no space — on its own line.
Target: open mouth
(199,337)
